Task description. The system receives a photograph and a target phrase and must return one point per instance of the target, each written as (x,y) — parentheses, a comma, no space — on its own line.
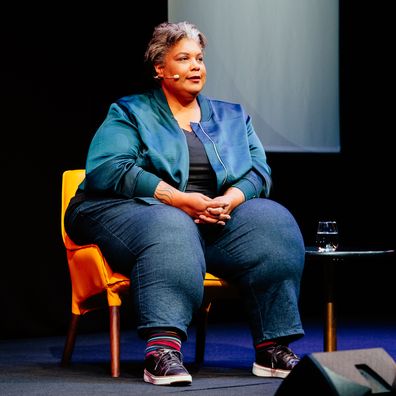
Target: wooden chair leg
(70,340)
(115,340)
(202,324)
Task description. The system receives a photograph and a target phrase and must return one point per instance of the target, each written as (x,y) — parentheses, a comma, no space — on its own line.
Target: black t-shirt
(202,178)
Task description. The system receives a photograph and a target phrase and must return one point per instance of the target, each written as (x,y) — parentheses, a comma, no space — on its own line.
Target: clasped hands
(214,215)
(201,208)
(207,210)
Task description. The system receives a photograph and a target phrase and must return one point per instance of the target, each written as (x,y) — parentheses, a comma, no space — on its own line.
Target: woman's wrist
(236,197)
(168,194)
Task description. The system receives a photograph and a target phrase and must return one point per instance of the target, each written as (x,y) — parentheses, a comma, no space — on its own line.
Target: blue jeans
(260,250)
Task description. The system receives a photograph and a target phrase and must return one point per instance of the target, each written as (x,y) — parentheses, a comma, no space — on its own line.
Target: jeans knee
(276,245)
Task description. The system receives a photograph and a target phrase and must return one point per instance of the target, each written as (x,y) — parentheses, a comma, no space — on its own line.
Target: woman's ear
(159,70)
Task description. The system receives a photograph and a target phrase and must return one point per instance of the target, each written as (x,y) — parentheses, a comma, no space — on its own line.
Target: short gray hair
(166,35)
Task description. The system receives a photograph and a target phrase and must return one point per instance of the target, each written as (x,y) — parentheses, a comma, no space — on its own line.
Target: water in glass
(327,236)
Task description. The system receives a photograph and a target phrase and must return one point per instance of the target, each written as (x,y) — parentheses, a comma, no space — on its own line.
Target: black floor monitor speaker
(342,373)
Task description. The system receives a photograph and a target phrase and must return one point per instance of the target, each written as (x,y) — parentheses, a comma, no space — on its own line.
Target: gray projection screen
(280,60)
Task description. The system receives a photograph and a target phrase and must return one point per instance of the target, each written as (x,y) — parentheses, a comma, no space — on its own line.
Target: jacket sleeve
(113,157)
(257,182)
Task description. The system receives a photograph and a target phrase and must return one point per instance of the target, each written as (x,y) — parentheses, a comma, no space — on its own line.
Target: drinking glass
(327,236)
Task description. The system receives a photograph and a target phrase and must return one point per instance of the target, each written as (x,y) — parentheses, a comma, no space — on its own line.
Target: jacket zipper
(217,153)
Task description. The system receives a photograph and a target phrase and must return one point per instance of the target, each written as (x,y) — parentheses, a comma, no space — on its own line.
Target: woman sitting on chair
(177,184)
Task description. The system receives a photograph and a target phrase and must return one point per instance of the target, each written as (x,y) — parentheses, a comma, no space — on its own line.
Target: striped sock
(264,345)
(162,339)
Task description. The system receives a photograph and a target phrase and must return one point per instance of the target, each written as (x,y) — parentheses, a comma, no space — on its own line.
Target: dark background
(62,65)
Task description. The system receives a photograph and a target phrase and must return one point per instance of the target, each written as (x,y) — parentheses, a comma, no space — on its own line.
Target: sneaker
(165,367)
(275,361)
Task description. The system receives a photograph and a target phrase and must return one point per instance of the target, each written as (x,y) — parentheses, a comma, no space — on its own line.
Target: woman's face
(186,60)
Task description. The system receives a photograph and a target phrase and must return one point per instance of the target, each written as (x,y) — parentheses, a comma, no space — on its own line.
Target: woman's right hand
(205,210)
(196,205)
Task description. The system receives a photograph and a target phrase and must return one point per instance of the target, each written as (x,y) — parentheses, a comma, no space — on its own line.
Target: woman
(177,185)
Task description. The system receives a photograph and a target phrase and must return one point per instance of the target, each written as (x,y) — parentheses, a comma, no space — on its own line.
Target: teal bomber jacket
(140,143)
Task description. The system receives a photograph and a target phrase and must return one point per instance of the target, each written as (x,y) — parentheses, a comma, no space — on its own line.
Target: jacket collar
(206,110)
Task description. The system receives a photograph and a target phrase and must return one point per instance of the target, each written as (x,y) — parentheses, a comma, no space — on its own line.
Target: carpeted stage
(31,366)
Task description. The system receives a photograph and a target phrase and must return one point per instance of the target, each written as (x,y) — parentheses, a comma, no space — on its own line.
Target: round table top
(345,252)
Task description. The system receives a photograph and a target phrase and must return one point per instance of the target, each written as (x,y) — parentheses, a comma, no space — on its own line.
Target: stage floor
(31,366)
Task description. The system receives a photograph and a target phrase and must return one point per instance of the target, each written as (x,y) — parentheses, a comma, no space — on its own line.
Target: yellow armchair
(91,276)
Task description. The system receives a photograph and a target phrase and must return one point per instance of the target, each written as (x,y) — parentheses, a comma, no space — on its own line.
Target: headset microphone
(175,77)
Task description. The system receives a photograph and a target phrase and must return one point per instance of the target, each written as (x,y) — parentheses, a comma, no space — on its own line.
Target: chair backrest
(70,182)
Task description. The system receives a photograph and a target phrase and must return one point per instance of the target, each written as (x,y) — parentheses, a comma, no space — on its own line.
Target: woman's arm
(113,158)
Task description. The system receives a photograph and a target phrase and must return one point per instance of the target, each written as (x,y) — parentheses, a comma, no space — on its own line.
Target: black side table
(329,260)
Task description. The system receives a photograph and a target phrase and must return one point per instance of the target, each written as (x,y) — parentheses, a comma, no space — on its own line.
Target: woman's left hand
(215,215)
(227,203)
